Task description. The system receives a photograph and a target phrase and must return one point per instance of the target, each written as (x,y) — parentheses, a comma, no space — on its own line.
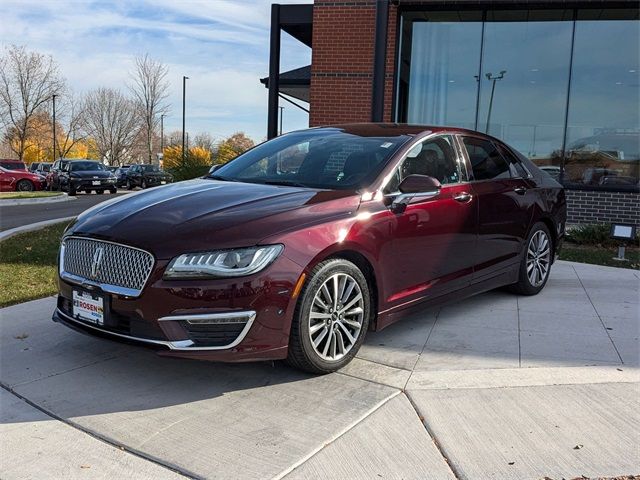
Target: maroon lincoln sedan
(299,246)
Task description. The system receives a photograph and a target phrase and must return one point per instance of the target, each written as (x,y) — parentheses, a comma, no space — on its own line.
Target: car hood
(91,174)
(205,214)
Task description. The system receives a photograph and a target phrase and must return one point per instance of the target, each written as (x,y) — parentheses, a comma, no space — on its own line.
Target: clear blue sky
(221,45)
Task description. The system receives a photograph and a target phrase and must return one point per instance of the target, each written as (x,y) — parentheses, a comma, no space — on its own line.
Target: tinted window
(435,157)
(517,169)
(150,168)
(86,166)
(321,158)
(13,165)
(486,161)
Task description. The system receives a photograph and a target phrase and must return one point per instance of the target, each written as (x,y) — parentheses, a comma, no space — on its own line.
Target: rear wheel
(536,261)
(72,191)
(25,186)
(129,186)
(114,190)
(331,318)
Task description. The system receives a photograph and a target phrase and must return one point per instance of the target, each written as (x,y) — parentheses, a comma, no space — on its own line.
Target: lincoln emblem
(97,261)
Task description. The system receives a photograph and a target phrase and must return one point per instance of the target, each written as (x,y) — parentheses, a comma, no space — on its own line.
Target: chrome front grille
(115,268)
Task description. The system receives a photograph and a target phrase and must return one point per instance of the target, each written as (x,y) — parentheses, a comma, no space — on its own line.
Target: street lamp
(184,93)
(493,89)
(53,97)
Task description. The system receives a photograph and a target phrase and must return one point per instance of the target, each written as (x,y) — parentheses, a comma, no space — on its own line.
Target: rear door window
(486,161)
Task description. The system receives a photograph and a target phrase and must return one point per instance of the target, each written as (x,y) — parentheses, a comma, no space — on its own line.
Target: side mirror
(422,186)
(214,168)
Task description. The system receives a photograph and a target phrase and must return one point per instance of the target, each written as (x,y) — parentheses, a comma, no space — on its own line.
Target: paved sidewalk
(496,386)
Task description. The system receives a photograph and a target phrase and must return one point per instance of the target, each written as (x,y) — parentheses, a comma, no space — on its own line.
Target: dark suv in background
(86,175)
(145,176)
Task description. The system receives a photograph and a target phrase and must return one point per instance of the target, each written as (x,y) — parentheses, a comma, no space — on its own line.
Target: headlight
(222,263)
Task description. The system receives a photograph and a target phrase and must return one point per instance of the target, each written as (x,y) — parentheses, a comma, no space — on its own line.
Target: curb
(31,201)
(33,226)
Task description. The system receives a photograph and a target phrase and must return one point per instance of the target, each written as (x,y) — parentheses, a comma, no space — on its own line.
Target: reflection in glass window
(486,161)
(441,67)
(525,75)
(603,142)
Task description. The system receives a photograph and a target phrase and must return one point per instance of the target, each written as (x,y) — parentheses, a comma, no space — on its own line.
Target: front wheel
(536,261)
(25,186)
(144,184)
(331,318)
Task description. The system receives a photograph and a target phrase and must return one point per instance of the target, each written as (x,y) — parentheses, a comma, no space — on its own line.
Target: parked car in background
(146,176)
(20,181)
(87,176)
(43,168)
(34,166)
(121,175)
(262,262)
(16,165)
(53,177)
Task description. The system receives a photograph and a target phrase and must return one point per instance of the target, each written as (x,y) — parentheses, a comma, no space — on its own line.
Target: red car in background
(14,177)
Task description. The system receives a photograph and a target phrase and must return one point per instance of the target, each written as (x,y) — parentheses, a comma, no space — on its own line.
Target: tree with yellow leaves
(233,146)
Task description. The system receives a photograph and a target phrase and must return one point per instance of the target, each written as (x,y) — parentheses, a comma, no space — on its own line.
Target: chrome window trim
(174,345)
(460,161)
(89,284)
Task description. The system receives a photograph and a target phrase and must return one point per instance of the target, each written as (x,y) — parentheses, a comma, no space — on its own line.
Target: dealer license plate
(163,182)
(88,307)
(95,182)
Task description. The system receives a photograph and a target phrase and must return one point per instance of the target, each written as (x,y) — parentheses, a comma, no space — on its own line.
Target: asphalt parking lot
(496,386)
(12,216)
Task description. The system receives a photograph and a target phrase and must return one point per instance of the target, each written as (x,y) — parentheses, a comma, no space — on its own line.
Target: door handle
(520,190)
(463,197)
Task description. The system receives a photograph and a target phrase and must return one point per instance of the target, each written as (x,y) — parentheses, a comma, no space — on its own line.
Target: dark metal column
(379,61)
(274,72)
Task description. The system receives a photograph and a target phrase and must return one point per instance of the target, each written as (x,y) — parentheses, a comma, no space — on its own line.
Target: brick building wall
(602,207)
(342,61)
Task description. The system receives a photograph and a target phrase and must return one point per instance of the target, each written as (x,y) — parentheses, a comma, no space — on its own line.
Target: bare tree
(70,115)
(150,89)
(111,119)
(27,82)
(204,140)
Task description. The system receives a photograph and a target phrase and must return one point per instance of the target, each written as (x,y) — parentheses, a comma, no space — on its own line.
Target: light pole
(281,112)
(162,133)
(493,89)
(184,93)
(53,97)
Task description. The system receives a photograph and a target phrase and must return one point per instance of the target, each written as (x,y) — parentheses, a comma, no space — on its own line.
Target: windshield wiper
(286,183)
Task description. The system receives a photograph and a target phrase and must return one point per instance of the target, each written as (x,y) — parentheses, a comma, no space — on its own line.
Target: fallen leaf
(511,463)
(578,447)
(21,337)
(85,466)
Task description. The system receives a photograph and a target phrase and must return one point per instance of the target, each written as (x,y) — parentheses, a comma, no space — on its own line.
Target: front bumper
(82,184)
(231,320)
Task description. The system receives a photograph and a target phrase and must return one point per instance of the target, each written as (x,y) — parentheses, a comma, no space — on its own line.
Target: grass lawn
(20,195)
(600,255)
(28,265)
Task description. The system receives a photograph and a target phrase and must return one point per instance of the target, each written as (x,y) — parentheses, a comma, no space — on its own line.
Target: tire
(144,184)
(536,261)
(113,191)
(325,355)
(25,186)
(101,192)
(72,191)
(129,187)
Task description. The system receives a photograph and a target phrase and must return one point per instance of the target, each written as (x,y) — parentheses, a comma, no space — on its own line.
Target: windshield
(326,158)
(150,168)
(86,166)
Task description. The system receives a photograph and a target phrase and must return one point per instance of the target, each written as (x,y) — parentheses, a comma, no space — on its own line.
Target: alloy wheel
(538,258)
(336,317)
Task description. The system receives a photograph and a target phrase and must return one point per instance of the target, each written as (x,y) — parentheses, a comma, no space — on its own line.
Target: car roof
(393,129)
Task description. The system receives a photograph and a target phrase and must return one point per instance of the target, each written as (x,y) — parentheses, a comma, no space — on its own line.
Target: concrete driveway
(497,386)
